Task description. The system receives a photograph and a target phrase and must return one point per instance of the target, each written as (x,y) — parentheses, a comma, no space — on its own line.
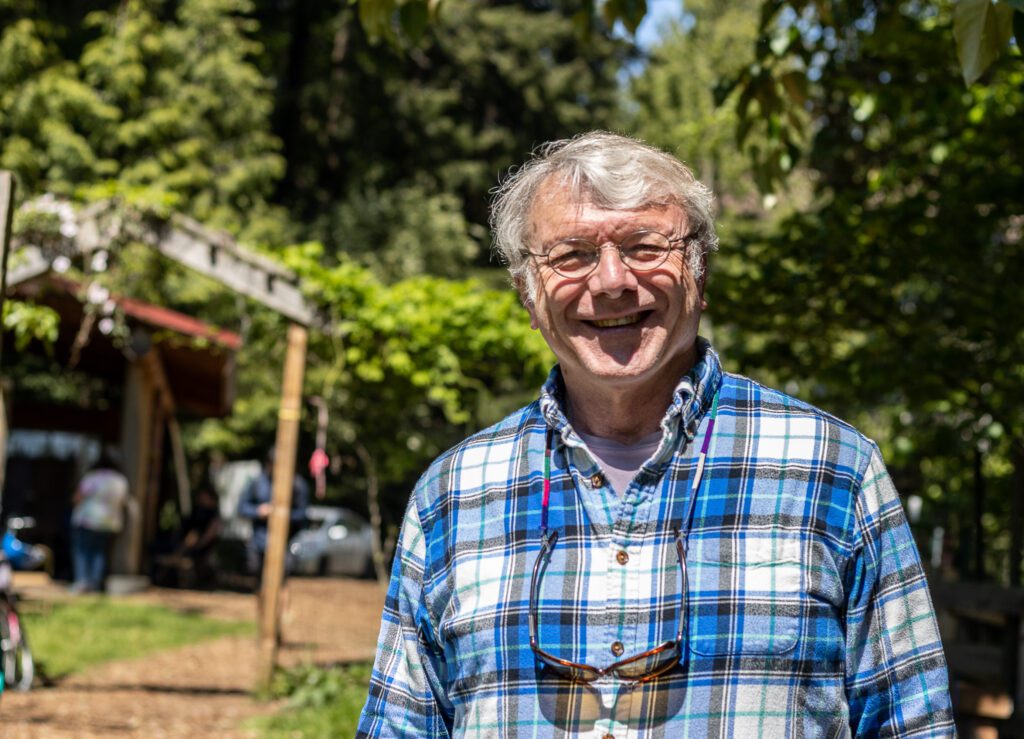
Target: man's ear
(523,288)
(702,282)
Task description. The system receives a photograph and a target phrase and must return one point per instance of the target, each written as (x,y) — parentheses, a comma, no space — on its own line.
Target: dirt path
(201,690)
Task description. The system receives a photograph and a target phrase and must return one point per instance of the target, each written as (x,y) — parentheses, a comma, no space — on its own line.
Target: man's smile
(620,321)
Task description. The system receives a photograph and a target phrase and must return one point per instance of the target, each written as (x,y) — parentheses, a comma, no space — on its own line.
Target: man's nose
(612,276)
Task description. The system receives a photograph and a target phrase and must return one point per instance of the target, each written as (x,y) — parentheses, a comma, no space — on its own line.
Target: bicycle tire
(18,665)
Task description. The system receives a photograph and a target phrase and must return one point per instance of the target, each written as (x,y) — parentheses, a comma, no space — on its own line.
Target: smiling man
(655,547)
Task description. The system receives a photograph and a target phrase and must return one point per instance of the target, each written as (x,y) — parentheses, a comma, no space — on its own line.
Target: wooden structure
(983,639)
(6,217)
(217,256)
(171,363)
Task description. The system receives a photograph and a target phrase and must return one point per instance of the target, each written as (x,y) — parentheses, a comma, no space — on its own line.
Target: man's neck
(622,412)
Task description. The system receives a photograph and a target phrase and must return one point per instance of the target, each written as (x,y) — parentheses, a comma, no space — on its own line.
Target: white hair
(610,171)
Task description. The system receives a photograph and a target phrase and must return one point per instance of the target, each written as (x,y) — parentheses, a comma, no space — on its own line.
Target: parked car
(335,541)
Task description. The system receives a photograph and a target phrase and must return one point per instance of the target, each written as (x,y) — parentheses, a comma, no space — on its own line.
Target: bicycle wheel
(19,669)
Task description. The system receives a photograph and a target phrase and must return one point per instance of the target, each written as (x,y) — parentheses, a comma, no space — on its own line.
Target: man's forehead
(558,205)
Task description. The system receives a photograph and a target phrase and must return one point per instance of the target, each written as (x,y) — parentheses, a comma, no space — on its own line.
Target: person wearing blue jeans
(89,557)
(96,519)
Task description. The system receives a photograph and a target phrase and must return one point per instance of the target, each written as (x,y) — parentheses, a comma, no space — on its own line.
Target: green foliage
(438,120)
(30,323)
(982,30)
(170,110)
(107,630)
(407,370)
(893,301)
(801,40)
(402,232)
(673,100)
(322,702)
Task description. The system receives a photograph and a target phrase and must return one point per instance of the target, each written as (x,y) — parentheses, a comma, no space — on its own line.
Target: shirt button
(622,557)
(596,480)
(617,648)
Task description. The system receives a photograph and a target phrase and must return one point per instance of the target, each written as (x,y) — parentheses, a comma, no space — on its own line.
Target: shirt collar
(690,400)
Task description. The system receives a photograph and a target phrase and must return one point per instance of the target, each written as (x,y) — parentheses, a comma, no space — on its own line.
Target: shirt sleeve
(407,697)
(248,503)
(896,679)
(300,501)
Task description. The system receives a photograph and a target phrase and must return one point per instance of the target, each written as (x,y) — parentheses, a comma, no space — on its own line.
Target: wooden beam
(7,188)
(281,502)
(153,362)
(151,499)
(180,466)
(217,256)
(211,253)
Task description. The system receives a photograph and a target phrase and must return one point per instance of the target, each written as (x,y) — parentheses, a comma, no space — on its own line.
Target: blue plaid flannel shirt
(808,611)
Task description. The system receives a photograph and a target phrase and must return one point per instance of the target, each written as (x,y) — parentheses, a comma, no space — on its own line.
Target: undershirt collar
(621,462)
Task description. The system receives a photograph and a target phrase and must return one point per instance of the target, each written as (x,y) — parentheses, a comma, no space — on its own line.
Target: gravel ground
(202,690)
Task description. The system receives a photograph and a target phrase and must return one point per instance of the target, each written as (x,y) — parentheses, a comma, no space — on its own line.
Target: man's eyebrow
(627,229)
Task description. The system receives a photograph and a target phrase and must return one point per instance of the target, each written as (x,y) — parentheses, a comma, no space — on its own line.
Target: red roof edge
(156,315)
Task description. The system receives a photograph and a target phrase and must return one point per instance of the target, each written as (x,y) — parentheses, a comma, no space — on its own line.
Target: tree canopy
(870,202)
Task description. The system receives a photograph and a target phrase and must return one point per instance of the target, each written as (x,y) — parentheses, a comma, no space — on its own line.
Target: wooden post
(136,448)
(1015,623)
(7,188)
(6,215)
(979,512)
(281,502)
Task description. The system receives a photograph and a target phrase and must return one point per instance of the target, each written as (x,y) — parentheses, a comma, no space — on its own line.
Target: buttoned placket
(621,526)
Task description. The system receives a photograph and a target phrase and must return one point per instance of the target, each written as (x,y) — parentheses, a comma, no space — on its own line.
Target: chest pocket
(745,595)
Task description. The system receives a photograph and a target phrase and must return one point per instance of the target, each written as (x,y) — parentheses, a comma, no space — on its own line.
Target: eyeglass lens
(643,250)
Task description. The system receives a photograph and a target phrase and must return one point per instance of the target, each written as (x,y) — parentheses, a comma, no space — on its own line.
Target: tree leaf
(630,12)
(414,16)
(1018,27)
(375,16)
(982,30)
(795,84)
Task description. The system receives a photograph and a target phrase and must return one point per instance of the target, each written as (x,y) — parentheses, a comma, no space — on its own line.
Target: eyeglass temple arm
(684,586)
(548,539)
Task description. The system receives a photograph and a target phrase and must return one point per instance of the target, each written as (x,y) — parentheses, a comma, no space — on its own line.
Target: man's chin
(615,370)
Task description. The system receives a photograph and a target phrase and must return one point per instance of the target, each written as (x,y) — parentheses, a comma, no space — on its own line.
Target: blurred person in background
(255,505)
(97,517)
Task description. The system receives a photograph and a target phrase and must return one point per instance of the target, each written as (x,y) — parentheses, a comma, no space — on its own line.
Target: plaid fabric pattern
(807,610)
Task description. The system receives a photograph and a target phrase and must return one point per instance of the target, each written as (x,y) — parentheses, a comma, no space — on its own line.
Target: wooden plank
(982,664)
(180,466)
(977,701)
(977,596)
(154,364)
(7,189)
(136,428)
(244,272)
(281,502)
(31,264)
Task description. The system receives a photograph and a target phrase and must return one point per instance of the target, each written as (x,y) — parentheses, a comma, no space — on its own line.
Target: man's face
(614,327)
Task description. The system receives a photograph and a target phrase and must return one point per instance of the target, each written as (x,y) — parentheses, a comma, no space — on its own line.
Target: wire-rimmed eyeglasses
(638,668)
(641,251)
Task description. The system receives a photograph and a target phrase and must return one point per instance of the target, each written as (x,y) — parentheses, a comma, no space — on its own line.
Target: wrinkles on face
(616,324)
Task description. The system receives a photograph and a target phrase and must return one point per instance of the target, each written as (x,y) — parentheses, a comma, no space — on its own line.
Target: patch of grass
(322,701)
(89,630)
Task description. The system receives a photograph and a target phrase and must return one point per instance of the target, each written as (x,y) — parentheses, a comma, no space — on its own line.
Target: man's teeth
(613,322)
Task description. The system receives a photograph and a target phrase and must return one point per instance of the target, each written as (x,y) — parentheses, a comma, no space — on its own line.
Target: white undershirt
(621,462)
